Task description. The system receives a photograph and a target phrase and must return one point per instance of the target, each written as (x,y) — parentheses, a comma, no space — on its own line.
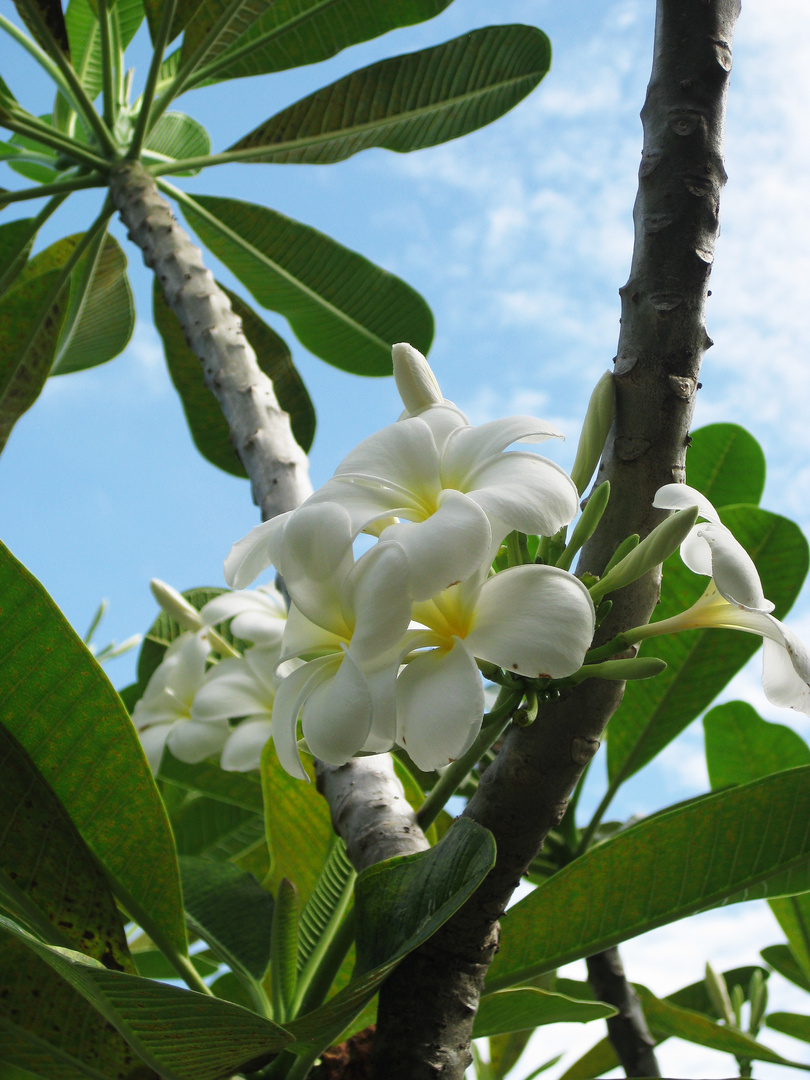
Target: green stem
(607,799)
(60,188)
(36,53)
(48,136)
(454,775)
(107,64)
(148,96)
(604,652)
(328,966)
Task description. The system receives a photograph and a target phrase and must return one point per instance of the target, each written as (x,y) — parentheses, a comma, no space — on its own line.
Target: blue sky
(519,237)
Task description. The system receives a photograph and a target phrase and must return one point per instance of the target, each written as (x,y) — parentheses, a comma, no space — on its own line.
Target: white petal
(303,637)
(680,496)
(258,614)
(376,600)
(733,569)
(443,420)
(382,684)
(469,447)
(415,381)
(258,627)
(445,548)
(243,750)
(696,552)
(290,697)
(440,705)
(527,492)
(192,742)
(316,556)
(402,455)
(230,690)
(336,718)
(365,501)
(786,672)
(535,620)
(188,672)
(254,552)
(153,741)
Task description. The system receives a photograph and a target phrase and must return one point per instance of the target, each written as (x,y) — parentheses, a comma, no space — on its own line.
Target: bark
(428,1005)
(628,1031)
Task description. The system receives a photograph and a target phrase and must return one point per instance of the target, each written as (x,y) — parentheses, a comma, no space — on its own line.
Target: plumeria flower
(163,715)
(734,600)
(346,622)
(536,621)
(258,615)
(244,687)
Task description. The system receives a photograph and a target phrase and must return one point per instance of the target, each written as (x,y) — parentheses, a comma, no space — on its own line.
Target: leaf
(180,1034)
(793,1024)
(241,789)
(230,911)
(16,239)
(151,964)
(793,915)
(340,306)
(53,34)
(163,632)
(681,861)
(727,464)
(741,746)
(47,874)
(409,102)
(204,826)
(526,1007)
(85,38)
(328,901)
(59,704)
(701,662)
(293,33)
(102,316)
(207,425)
(284,961)
(781,959)
(177,136)
(43,168)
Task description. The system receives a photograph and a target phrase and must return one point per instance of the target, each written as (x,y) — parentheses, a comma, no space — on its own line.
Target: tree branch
(428,1005)
(628,1032)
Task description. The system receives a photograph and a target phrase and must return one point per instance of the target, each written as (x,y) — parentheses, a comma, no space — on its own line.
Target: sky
(519,237)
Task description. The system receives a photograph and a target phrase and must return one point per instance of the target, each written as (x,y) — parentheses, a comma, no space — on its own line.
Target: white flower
(734,600)
(259,615)
(416,383)
(163,715)
(536,621)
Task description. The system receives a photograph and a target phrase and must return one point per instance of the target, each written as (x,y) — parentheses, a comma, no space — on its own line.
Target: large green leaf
(741,746)
(207,425)
(42,167)
(793,915)
(701,662)
(340,306)
(229,910)
(526,1007)
(241,789)
(782,959)
(409,102)
(16,238)
(178,136)
(793,1024)
(101,316)
(48,877)
(204,826)
(680,861)
(292,33)
(45,20)
(727,464)
(180,1034)
(60,705)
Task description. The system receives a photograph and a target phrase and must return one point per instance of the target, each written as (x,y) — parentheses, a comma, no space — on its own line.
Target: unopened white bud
(415,381)
(175,605)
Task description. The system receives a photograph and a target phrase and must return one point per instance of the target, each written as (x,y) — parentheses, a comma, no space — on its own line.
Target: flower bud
(718,994)
(586,526)
(175,605)
(415,381)
(654,549)
(595,428)
(627,670)
(758,996)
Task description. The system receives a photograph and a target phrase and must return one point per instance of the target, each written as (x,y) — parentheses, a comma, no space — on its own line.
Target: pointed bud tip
(415,381)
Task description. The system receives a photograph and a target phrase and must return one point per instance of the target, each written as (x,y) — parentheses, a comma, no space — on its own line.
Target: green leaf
(16,239)
(793,1024)
(340,306)
(60,705)
(42,169)
(505,1052)
(292,33)
(48,877)
(207,425)
(53,35)
(672,1020)
(164,630)
(781,959)
(241,789)
(204,826)
(741,746)
(284,951)
(683,860)
(230,911)
(526,1007)
(85,38)
(727,464)
(177,136)
(701,662)
(328,900)
(409,102)
(151,964)
(793,915)
(180,1034)
(101,318)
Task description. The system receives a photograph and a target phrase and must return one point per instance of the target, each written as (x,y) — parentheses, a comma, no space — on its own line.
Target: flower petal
(786,672)
(376,600)
(230,690)
(680,496)
(192,742)
(254,552)
(402,455)
(733,569)
(316,555)
(302,637)
(382,684)
(440,706)
(153,741)
(469,447)
(290,698)
(336,718)
(535,620)
(445,548)
(525,491)
(243,749)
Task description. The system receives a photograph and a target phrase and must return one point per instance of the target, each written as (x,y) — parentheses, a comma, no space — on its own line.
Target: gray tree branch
(428,1005)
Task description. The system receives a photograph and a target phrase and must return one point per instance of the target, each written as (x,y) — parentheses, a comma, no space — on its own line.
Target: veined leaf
(178,136)
(409,102)
(180,1034)
(204,826)
(241,789)
(85,40)
(42,169)
(726,463)
(284,952)
(16,240)
(59,704)
(208,427)
(53,35)
(782,959)
(793,915)
(726,846)
(340,306)
(526,1007)
(793,1024)
(329,898)
(151,964)
(701,662)
(292,33)
(101,316)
